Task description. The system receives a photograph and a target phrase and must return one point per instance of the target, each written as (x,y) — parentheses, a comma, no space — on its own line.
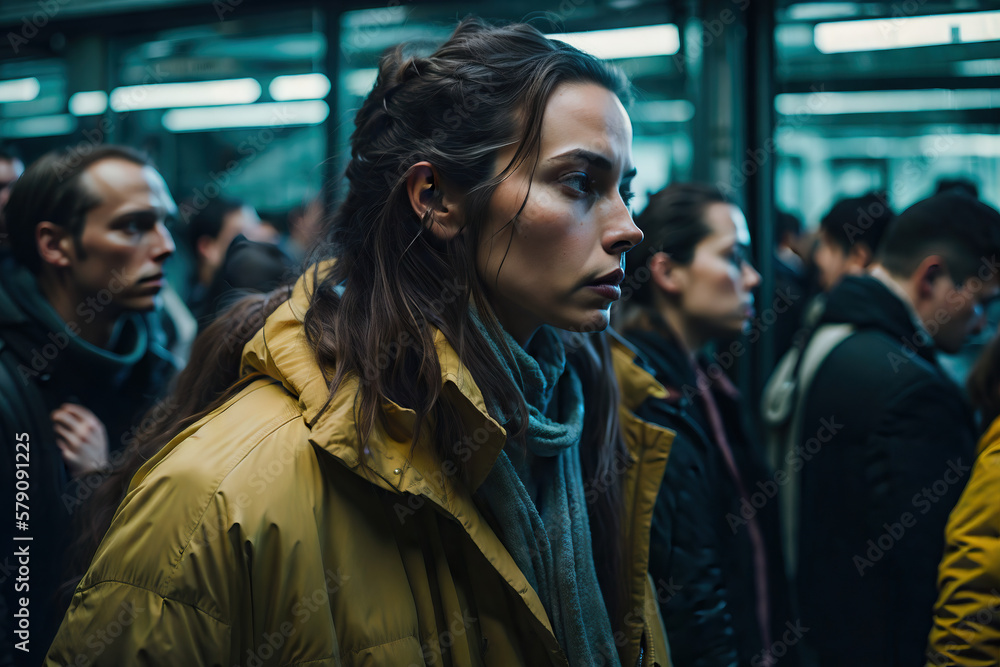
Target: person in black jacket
(717,566)
(80,361)
(886,439)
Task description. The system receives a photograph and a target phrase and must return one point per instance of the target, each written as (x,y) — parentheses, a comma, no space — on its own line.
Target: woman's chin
(591,322)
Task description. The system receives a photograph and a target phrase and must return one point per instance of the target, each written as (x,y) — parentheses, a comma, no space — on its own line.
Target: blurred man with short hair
(80,354)
(886,440)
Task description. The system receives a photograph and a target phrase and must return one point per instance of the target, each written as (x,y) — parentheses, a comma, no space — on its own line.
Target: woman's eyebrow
(596,159)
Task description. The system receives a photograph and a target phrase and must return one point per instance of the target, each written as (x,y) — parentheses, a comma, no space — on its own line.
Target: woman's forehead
(585,118)
(727,220)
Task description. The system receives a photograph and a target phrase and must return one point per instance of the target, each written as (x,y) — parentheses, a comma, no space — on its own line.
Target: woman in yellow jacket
(966,628)
(431,457)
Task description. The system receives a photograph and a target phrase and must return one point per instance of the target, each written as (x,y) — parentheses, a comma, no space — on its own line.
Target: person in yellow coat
(966,628)
(433,455)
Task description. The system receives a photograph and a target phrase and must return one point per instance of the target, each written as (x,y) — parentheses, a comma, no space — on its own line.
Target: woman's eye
(579,181)
(627,196)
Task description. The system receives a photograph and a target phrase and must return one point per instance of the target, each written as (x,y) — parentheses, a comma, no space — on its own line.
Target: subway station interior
(786,105)
(784,109)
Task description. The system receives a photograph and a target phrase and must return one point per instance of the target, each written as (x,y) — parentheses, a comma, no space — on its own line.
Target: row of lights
(210,104)
(232,103)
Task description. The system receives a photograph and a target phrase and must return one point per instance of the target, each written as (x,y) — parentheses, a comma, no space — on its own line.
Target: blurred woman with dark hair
(715,546)
(966,629)
(436,459)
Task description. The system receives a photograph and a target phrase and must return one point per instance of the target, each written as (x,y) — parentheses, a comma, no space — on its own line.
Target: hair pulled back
(673,223)
(374,316)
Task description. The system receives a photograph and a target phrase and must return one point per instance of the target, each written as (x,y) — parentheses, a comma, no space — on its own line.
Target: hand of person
(82,439)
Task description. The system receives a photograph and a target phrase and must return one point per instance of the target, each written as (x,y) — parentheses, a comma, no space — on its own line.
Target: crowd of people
(408,434)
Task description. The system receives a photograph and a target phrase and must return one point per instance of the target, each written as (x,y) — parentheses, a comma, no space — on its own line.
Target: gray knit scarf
(538,501)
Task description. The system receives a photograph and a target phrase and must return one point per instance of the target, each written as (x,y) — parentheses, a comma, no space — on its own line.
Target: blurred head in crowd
(693,266)
(212,228)
(984,383)
(789,241)
(305,227)
(788,230)
(960,184)
(11,169)
(93,226)
(945,253)
(849,237)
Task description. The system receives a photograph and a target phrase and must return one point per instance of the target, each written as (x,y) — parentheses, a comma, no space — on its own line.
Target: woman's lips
(607,290)
(152,282)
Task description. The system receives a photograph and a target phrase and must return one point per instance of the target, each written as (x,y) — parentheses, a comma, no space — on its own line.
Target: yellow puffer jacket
(252,539)
(966,627)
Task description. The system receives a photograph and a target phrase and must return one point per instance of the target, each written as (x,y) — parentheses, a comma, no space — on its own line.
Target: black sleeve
(684,564)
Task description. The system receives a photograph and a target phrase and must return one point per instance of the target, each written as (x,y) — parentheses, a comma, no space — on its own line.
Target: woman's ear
(427,191)
(666,273)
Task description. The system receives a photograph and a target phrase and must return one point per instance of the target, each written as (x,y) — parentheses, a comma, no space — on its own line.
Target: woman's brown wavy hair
(373,317)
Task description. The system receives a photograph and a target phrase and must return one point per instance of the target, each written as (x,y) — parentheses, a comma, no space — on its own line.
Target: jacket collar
(281,351)
(869,303)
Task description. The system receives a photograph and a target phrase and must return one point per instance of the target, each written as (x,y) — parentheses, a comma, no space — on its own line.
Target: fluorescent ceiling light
(272,114)
(90,103)
(649,40)
(380,17)
(19,90)
(981,67)
(360,81)
(812,11)
(906,32)
(885,101)
(191,94)
(37,126)
(299,87)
